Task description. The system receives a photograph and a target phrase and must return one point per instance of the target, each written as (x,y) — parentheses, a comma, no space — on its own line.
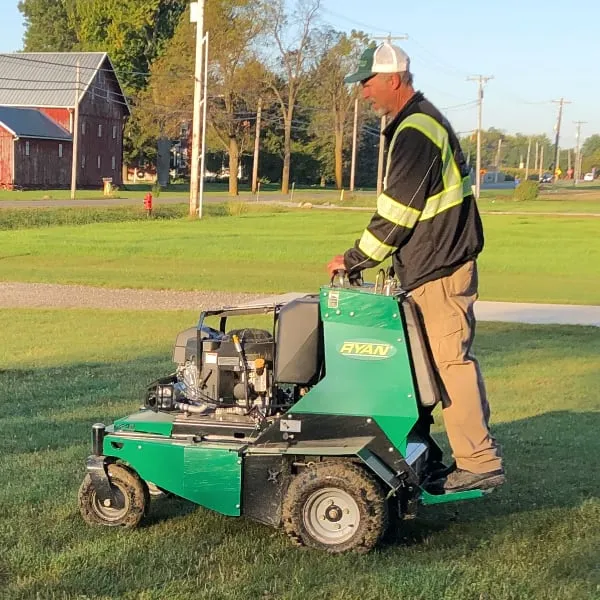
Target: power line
(353,22)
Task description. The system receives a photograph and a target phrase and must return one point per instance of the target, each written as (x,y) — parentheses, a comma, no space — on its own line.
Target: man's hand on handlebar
(337,269)
(336,264)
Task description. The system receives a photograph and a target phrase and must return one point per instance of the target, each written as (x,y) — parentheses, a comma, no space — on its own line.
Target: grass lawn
(527,258)
(536,538)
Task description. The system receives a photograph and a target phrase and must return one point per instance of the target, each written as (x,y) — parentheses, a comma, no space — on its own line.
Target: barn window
(83,128)
(60,151)
(83,161)
(114,132)
(98,161)
(100,130)
(114,163)
(26,148)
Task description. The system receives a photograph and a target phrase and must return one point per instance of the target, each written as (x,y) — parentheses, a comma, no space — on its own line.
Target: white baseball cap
(386,58)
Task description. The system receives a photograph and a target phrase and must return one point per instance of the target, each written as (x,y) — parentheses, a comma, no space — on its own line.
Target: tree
(234,73)
(133,33)
(294,40)
(591,145)
(591,154)
(340,56)
(235,76)
(47,26)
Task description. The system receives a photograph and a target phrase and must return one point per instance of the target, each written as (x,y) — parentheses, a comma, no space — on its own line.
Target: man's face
(379,90)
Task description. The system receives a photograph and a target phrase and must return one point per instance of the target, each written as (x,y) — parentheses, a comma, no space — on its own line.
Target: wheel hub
(111,511)
(331,515)
(334,514)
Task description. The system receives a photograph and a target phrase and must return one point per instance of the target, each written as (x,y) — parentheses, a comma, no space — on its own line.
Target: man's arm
(414,170)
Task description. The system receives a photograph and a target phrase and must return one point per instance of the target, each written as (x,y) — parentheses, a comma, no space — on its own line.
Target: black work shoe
(461,480)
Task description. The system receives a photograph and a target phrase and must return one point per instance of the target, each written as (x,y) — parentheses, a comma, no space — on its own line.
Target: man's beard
(381,112)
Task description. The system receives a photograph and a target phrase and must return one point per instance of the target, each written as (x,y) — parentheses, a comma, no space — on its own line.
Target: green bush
(526,191)
(30,218)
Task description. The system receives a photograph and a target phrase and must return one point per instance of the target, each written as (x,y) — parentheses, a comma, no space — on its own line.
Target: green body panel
(429,499)
(203,473)
(146,421)
(368,371)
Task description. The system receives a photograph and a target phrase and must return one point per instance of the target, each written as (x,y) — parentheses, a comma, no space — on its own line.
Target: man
(428,221)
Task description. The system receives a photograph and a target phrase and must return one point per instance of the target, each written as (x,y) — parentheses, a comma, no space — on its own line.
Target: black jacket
(424,247)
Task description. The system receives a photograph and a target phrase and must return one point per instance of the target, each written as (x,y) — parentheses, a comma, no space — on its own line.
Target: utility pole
(256,147)
(560,102)
(578,151)
(196,16)
(482,80)
(541,161)
(204,107)
(537,154)
(498,154)
(380,182)
(354,135)
(75,133)
(527,163)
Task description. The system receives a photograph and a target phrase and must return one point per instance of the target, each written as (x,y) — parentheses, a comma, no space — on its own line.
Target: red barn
(38,92)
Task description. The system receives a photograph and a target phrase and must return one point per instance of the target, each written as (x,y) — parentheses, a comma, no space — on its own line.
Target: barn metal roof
(31,123)
(47,79)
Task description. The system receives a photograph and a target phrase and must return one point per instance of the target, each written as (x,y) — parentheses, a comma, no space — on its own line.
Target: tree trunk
(287,152)
(339,143)
(234,162)
(162,161)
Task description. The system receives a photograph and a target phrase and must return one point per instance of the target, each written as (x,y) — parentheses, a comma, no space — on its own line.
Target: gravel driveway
(47,295)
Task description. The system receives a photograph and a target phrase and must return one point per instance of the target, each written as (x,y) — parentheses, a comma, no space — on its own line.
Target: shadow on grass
(549,457)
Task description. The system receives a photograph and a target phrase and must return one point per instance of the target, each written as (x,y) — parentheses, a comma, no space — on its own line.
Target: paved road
(43,295)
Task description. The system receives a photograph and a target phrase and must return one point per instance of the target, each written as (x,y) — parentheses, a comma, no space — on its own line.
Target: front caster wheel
(130,500)
(335,506)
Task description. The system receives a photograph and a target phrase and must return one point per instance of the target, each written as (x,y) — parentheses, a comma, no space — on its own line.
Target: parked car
(588,177)
(546,178)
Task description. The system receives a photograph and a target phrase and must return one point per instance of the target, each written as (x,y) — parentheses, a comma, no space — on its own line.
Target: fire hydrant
(148,204)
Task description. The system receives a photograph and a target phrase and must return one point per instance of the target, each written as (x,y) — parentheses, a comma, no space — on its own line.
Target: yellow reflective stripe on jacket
(396,212)
(455,187)
(374,248)
(446,199)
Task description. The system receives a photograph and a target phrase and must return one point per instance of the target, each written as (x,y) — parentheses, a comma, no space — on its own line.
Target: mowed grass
(526,258)
(536,538)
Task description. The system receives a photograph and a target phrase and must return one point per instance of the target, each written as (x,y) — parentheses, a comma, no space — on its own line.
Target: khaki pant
(446,310)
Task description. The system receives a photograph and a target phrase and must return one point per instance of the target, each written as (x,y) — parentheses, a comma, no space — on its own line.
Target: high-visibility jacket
(426,217)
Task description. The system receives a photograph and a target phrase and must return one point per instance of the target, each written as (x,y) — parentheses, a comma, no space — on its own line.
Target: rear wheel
(335,506)
(131,500)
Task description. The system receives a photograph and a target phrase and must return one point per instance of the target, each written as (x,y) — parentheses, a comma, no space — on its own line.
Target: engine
(238,372)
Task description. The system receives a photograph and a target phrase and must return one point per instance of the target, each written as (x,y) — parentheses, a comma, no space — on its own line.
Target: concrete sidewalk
(545,314)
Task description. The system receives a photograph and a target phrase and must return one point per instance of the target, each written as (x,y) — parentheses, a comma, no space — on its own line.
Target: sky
(537,52)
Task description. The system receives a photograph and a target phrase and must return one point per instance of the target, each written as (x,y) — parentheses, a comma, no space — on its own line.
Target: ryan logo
(366,350)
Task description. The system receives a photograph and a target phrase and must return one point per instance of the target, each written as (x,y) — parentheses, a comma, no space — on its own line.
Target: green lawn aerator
(319,425)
